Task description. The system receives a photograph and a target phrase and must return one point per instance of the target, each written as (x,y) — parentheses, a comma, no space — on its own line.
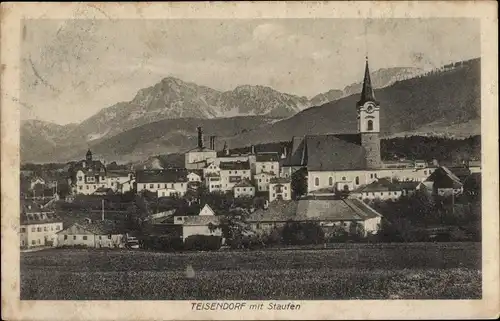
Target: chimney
(252,150)
(212,142)
(283,156)
(200,138)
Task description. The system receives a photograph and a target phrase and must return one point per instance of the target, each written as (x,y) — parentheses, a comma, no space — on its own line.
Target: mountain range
(163,118)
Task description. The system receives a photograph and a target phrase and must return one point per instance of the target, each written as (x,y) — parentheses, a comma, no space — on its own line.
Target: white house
(38,225)
(86,176)
(280,188)
(231,173)
(381,189)
(95,234)
(244,189)
(193,177)
(267,162)
(262,180)
(117,178)
(163,181)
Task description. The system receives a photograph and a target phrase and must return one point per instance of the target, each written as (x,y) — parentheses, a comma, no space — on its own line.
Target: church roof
(367,93)
(334,152)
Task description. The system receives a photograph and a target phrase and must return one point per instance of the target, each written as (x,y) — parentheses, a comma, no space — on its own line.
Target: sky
(71,69)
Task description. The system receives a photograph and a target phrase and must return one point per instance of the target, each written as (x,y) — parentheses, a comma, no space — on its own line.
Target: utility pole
(102,215)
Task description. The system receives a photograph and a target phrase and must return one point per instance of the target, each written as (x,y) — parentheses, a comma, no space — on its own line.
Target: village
(321,187)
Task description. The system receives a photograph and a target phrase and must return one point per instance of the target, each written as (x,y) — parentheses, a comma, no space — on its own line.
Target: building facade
(38,225)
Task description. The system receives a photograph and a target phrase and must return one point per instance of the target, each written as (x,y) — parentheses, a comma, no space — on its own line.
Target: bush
(295,233)
(162,242)
(203,242)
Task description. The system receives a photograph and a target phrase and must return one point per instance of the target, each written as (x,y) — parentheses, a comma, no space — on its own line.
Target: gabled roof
(407,184)
(280,180)
(201,220)
(444,178)
(277,211)
(335,152)
(99,227)
(380,185)
(244,183)
(267,157)
(234,165)
(162,176)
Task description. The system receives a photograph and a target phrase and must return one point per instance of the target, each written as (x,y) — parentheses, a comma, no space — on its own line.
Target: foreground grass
(431,271)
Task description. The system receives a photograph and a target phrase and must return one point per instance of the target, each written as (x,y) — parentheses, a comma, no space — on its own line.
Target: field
(350,271)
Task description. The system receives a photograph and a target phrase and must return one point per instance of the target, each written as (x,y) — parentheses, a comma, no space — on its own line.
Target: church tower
(368,109)
(88,156)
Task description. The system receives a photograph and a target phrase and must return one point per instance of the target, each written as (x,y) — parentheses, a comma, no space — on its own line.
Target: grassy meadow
(347,271)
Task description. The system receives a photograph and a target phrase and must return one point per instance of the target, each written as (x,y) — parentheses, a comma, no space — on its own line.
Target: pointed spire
(367,93)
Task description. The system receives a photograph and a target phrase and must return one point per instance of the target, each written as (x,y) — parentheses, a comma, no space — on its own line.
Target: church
(344,162)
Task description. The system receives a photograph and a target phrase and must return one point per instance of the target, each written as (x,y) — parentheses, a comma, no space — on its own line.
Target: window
(32,229)
(182,184)
(38,229)
(274,195)
(87,187)
(316,181)
(100,237)
(79,178)
(425,172)
(80,187)
(45,228)
(370,124)
(286,195)
(284,187)
(236,172)
(65,237)
(375,175)
(260,180)
(357,180)
(74,237)
(33,242)
(151,185)
(85,237)
(373,194)
(95,187)
(330,181)
(39,241)
(165,185)
(238,189)
(109,236)
(343,178)
(258,225)
(172,185)
(23,230)
(158,185)
(272,167)
(381,194)
(371,175)
(229,172)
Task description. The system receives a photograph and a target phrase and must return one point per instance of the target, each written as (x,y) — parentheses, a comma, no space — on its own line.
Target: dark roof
(244,183)
(117,173)
(201,220)
(234,165)
(335,152)
(267,157)
(444,178)
(279,180)
(34,213)
(380,185)
(277,211)
(101,227)
(461,172)
(407,184)
(315,210)
(203,149)
(367,93)
(296,157)
(162,176)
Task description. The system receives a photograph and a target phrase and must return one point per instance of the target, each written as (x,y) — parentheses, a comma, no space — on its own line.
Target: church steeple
(88,156)
(367,93)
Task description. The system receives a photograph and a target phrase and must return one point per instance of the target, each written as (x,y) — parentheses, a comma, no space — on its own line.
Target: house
(95,234)
(346,162)
(201,225)
(126,186)
(231,173)
(116,179)
(328,212)
(280,188)
(262,180)
(213,182)
(36,181)
(267,162)
(197,158)
(86,176)
(382,189)
(195,176)
(102,191)
(444,182)
(165,182)
(407,187)
(244,189)
(38,225)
